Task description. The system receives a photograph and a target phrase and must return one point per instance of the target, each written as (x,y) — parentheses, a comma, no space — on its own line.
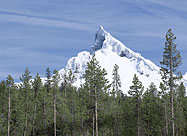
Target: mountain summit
(110,51)
(99,39)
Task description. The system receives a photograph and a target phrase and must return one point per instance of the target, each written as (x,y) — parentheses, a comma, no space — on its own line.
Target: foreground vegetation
(97,107)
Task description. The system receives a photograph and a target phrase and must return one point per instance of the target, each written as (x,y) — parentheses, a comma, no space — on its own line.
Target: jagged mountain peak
(100,37)
(104,40)
(101,30)
(110,51)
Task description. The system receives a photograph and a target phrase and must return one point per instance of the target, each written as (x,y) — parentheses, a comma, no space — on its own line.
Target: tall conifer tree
(96,84)
(26,88)
(37,86)
(48,80)
(55,81)
(136,91)
(151,112)
(170,64)
(116,92)
(10,83)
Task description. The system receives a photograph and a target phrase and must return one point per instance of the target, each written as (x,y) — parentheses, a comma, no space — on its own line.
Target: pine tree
(3,107)
(116,84)
(170,64)
(46,101)
(70,101)
(44,112)
(164,100)
(26,88)
(151,112)
(55,80)
(163,93)
(16,111)
(136,91)
(116,92)
(10,83)
(84,110)
(96,84)
(184,105)
(180,110)
(37,86)
(48,80)
(181,91)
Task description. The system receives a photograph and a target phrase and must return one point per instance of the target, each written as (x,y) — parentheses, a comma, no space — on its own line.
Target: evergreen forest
(97,107)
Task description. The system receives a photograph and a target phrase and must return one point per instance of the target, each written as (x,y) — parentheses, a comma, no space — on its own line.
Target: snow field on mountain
(110,51)
(127,69)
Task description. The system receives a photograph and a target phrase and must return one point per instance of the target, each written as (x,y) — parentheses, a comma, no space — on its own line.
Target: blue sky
(45,33)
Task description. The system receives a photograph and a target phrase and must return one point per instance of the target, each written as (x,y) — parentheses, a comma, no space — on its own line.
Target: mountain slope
(110,51)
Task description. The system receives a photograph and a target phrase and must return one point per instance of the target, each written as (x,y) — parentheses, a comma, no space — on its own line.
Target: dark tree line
(97,108)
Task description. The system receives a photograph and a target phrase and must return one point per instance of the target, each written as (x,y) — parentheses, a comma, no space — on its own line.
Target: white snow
(110,51)
(185,76)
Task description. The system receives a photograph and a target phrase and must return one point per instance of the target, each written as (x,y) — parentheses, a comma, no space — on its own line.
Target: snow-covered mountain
(110,51)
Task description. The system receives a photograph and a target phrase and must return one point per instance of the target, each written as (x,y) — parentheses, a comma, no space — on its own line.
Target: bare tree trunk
(172,113)
(138,123)
(93,125)
(96,115)
(138,119)
(172,96)
(9,112)
(166,119)
(54,106)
